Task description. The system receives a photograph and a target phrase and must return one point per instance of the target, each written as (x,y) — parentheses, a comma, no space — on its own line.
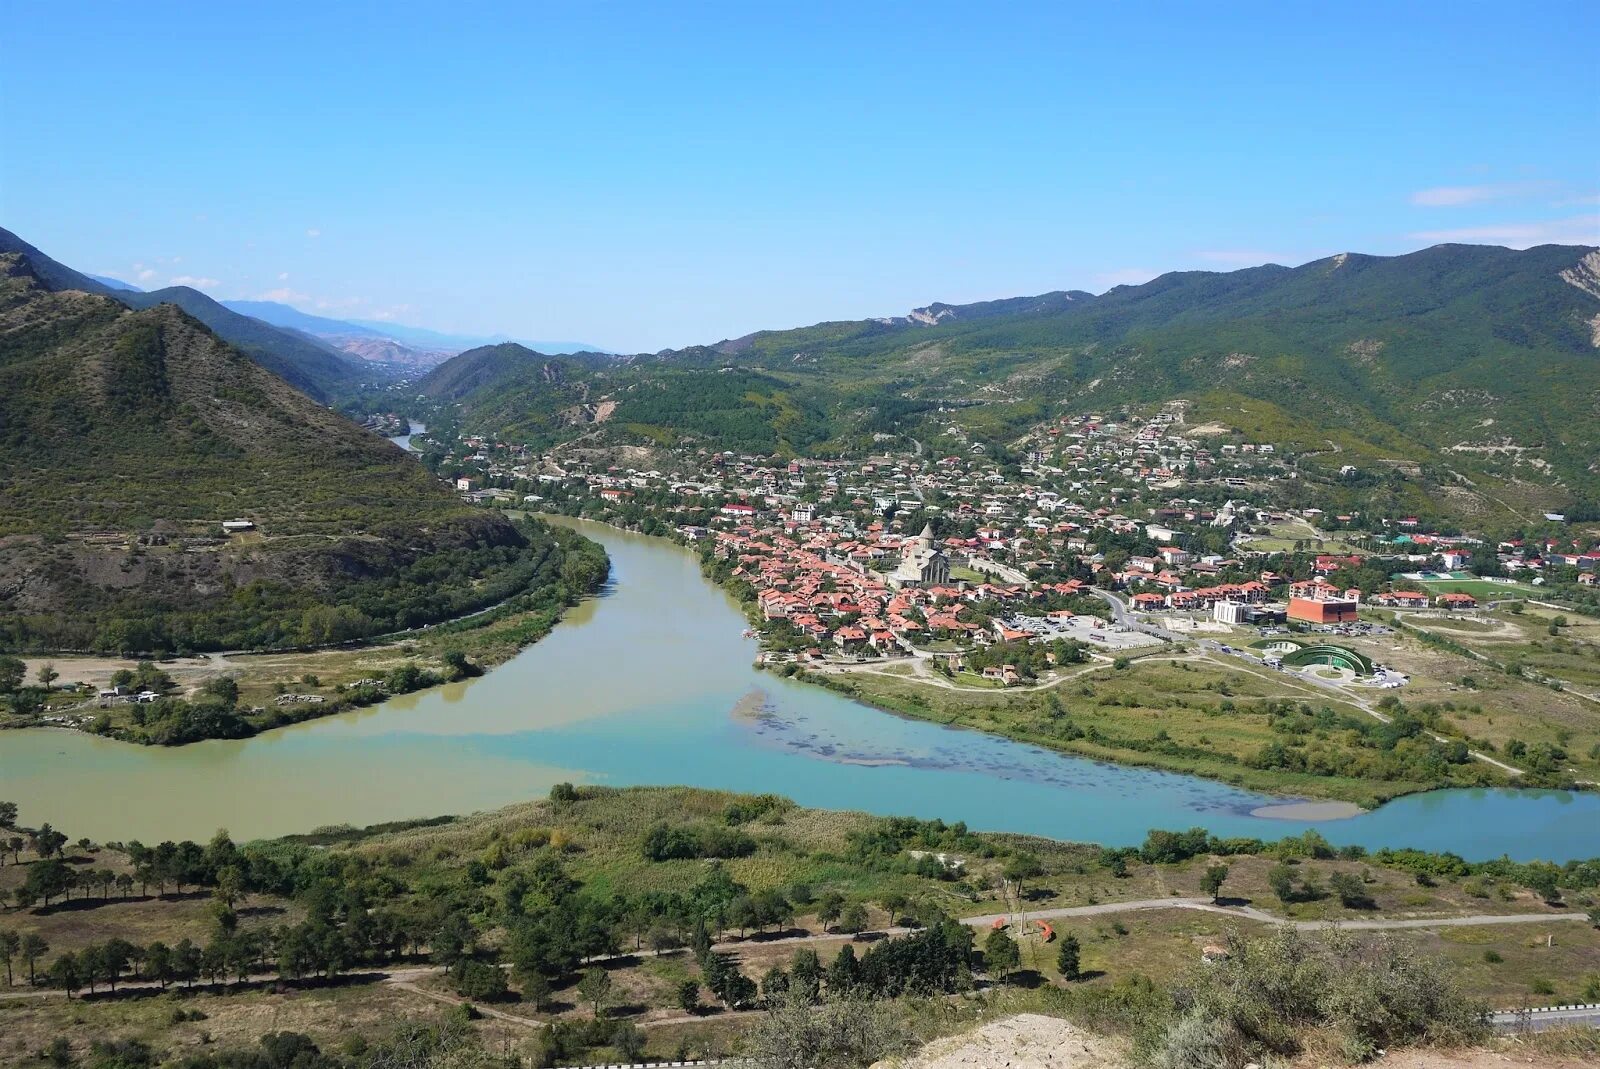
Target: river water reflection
(652,683)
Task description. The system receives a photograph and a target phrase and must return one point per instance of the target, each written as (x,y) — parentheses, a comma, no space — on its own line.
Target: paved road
(1205,905)
(1121,615)
(1544,1020)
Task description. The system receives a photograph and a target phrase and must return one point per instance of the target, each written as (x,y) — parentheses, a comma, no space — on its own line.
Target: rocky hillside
(535,396)
(127,437)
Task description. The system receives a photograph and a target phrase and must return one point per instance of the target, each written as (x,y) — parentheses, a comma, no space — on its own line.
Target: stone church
(922,564)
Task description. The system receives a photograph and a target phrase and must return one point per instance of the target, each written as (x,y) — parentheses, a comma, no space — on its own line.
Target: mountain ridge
(1478,360)
(414,348)
(128,435)
(307,363)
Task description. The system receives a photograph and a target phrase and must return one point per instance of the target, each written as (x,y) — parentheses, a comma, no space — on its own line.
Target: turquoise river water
(652,683)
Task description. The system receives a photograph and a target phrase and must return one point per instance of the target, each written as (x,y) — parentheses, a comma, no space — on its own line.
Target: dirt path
(1365,705)
(1251,913)
(454,1000)
(406,978)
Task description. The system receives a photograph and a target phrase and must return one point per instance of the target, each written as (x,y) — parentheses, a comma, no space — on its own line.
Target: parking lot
(1090,630)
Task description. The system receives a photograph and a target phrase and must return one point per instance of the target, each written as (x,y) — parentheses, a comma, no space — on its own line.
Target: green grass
(595,838)
(1482,589)
(1204,719)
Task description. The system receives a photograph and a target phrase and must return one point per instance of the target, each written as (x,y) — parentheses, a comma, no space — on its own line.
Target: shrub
(794,1034)
(664,842)
(1273,989)
(475,980)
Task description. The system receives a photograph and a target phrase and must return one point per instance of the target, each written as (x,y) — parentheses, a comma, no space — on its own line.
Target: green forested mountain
(1476,359)
(128,436)
(535,396)
(314,367)
(310,365)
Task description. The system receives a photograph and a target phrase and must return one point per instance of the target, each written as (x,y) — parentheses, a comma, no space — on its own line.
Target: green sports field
(1481,589)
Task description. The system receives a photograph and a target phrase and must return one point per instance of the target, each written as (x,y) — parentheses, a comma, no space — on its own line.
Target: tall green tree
(1068,957)
(65,973)
(1001,954)
(595,987)
(1212,880)
(10,946)
(33,948)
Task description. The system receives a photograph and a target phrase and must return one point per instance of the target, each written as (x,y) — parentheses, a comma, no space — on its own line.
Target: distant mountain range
(1463,378)
(327,358)
(129,433)
(308,363)
(116,283)
(434,339)
(383,342)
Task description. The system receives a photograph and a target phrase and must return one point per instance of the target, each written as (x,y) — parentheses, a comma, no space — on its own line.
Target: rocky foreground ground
(1026,1041)
(1032,1041)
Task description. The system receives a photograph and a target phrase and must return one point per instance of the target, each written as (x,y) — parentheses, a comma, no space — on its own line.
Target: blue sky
(653,175)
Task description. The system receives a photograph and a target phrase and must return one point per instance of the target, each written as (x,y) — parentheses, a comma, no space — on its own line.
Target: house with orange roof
(1402,599)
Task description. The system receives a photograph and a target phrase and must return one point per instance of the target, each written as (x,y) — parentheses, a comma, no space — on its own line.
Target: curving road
(1376,924)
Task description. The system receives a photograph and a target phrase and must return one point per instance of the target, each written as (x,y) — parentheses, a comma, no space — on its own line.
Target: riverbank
(1169,709)
(238,695)
(1344,797)
(640,686)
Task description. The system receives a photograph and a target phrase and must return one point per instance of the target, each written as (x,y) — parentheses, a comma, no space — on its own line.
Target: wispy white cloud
(1457,196)
(283,295)
(283,276)
(194,282)
(313,233)
(1576,230)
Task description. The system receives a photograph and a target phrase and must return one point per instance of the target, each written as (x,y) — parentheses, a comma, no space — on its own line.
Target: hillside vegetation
(312,366)
(127,437)
(1463,361)
(605,925)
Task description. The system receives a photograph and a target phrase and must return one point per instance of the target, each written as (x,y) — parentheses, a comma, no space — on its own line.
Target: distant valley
(403,348)
(132,429)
